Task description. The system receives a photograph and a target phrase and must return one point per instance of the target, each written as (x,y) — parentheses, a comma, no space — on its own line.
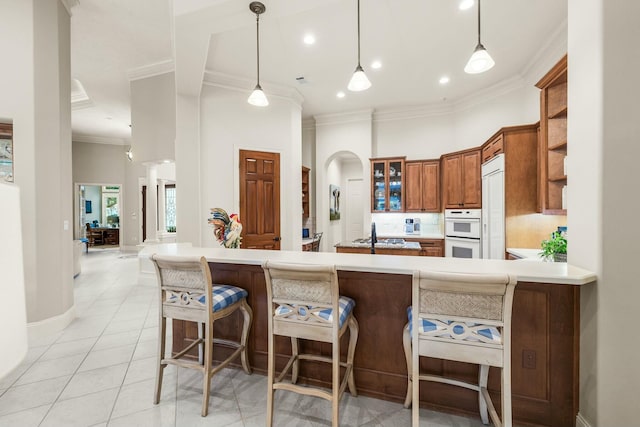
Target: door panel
(260,199)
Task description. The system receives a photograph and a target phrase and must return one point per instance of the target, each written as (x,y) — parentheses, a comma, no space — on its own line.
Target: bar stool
(465,318)
(302,301)
(186,293)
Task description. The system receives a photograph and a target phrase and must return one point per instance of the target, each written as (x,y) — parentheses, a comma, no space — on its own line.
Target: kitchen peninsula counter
(545,337)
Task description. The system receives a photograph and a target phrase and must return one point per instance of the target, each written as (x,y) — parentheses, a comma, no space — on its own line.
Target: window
(170,207)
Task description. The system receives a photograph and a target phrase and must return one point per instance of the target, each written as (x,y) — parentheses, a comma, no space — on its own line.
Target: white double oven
(462,230)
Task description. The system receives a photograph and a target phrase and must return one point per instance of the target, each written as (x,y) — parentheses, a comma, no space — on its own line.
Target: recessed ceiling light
(376,64)
(340,94)
(465,4)
(309,39)
(444,80)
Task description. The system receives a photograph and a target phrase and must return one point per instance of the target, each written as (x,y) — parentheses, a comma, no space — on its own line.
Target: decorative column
(162,226)
(151,214)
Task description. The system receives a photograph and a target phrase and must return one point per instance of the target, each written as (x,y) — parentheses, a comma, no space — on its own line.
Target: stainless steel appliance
(462,233)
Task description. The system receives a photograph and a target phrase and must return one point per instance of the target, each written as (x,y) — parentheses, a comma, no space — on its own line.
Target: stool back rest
(485,299)
(296,286)
(185,287)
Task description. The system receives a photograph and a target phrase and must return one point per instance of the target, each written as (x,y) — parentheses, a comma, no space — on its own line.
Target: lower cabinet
(430,247)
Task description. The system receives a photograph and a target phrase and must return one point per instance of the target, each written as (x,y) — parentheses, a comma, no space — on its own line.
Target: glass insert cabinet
(387,184)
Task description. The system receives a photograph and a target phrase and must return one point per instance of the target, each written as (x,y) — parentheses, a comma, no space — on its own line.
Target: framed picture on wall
(334,202)
(6,152)
(87,206)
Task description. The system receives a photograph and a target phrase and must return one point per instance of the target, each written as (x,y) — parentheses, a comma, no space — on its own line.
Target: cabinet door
(435,251)
(472,181)
(378,186)
(431,186)
(395,180)
(413,192)
(452,181)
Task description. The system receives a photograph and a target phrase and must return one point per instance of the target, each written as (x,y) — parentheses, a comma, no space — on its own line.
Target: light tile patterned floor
(99,371)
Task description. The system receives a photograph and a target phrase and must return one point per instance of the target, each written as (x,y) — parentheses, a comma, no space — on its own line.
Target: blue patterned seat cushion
(464,331)
(345,308)
(223,297)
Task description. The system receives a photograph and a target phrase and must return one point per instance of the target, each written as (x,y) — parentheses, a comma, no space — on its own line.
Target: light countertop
(526,254)
(411,236)
(538,272)
(380,244)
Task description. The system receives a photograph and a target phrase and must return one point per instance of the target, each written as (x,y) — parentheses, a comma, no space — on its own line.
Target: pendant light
(257,97)
(480,61)
(359,80)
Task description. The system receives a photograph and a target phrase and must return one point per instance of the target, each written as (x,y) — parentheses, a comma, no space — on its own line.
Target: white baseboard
(582,421)
(135,248)
(37,331)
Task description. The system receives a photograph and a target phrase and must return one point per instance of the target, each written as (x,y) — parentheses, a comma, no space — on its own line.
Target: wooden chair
(94,236)
(302,301)
(465,318)
(315,244)
(186,293)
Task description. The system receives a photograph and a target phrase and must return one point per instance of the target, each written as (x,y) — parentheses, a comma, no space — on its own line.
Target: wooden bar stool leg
(296,361)
(353,340)
(406,344)
(247,315)
(270,374)
(160,367)
(483,377)
(335,398)
(208,361)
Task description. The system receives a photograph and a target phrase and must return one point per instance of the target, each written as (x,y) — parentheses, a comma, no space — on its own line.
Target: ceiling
(417,42)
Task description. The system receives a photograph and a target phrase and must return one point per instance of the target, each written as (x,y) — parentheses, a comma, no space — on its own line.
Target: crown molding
(308,123)
(81,104)
(346,117)
(69,4)
(489,93)
(412,112)
(548,55)
(92,139)
(151,70)
(227,81)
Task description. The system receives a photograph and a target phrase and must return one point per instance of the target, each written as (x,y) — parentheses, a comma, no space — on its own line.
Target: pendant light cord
(258,45)
(479,22)
(358,32)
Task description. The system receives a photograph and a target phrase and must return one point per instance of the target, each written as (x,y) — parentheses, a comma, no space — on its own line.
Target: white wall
(337,136)
(603,130)
(34,39)
(13,317)
(232,125)
(153,118)
(431,132)
(94,194)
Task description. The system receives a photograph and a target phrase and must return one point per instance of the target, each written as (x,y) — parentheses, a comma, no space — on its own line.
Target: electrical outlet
(529,359)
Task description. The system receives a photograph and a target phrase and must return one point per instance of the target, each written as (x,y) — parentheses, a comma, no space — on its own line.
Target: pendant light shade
(480,60)
(359,80)
(257,97)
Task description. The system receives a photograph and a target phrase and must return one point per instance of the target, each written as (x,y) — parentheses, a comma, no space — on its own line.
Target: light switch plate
(65,225)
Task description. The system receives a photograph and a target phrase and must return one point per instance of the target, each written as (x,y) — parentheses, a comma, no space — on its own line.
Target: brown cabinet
(305,192)
(429,247)
(387,184)
(492,148)
(461,181)
(553,139)
(422,186)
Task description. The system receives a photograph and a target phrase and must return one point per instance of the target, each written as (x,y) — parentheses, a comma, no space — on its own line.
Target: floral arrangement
(227,229)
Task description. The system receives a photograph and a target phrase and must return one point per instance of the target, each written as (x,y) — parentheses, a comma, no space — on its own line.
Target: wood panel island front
(545,341)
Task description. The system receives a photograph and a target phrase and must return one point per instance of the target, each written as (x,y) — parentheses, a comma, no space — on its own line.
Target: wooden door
(260,199)
(471,180)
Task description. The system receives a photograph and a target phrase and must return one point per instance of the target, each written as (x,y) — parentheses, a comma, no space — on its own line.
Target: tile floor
(99,371)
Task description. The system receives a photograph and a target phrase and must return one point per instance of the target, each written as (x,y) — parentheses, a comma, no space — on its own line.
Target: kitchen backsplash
(392,224)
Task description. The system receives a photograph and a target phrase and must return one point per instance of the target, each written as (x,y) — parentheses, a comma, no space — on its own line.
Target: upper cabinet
(305,192)
(422,179)
(461,181)
(387,189)
(553,140)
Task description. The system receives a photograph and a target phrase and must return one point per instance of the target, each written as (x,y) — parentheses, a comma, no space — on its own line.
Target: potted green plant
(555,248)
